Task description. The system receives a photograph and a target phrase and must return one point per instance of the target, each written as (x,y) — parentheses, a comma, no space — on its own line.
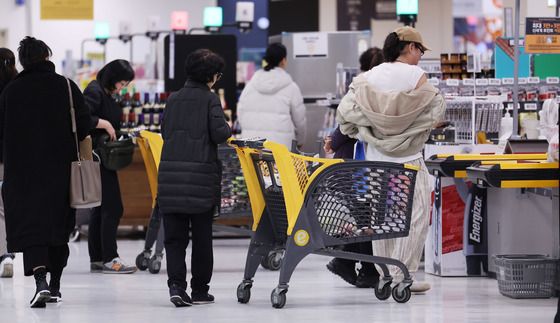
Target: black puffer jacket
(189,175)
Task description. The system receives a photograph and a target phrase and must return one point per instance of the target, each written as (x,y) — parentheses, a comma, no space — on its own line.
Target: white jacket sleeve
(297,112)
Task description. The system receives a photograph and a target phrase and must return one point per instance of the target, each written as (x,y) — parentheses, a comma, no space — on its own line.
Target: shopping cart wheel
(244,293)
(142,260)
(401,297)
(273,261)
(278,297)
(154,264)
(384,293)
(75,235)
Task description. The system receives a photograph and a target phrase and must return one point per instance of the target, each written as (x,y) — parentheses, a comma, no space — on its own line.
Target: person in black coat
(343,147)
(189,176)
(38,146)
(105,118)
(8,73)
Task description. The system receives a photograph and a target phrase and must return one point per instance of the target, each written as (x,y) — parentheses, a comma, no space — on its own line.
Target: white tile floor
(315,295)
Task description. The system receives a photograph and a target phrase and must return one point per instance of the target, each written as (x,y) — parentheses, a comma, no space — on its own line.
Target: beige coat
(397,124)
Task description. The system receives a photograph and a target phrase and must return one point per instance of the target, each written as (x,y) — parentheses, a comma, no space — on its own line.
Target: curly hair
(202,64)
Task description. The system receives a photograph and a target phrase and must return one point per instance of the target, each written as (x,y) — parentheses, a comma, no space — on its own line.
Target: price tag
(530,106)
(481,82)
(552,80)
(497,82)
(433,81)
(452,82)
(522,80)
(507,81)
(534,80)
(468,82)
(510,106)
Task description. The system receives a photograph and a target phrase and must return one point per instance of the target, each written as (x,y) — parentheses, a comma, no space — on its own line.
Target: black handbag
(115,155)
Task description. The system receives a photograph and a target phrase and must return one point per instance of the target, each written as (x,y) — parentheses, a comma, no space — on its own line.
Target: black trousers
(363,248)
(104,220)
(54,258)
(176,228)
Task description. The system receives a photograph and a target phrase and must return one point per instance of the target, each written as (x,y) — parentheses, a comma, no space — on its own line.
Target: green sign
(213,17)
(407,7)
(101,30)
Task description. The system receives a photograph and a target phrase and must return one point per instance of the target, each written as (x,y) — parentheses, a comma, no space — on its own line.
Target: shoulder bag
(85,176)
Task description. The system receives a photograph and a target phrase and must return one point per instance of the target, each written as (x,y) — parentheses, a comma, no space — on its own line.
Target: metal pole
(131,51)
(515,133)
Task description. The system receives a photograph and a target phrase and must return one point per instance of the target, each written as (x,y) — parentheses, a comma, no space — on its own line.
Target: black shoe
(179,297)
(42,294)
(366,279)
(56,297)
(343,270)
(202,298)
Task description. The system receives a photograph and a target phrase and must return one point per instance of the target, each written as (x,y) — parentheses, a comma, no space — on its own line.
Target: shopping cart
(235,202)
(313,205)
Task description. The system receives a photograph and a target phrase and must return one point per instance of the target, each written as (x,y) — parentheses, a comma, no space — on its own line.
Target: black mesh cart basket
(327,203)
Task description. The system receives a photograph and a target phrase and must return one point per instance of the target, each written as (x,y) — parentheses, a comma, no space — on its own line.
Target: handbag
(85,175)
(115,155)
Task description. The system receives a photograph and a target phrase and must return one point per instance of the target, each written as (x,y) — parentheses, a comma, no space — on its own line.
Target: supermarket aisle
(315,296)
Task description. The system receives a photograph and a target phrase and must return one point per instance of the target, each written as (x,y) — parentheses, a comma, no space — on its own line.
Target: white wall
(62,35)
(435,23)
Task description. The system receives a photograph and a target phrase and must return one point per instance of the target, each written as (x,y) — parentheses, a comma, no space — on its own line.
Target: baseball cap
(408,33)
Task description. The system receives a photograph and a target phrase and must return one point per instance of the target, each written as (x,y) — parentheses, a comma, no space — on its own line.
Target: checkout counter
(494,204)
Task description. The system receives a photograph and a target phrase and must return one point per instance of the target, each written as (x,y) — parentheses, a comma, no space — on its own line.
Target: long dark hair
(275,53)
(114,72)
(393,47)
(32,51)
(8,69)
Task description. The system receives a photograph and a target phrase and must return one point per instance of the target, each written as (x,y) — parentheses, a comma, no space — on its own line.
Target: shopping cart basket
(315,205)
(235,202)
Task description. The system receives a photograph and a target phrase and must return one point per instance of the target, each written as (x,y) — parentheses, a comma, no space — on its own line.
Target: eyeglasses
(124,83)
(219,76)
(421,50)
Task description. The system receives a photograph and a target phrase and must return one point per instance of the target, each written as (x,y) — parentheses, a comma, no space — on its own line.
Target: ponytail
(275,53)
(393,47)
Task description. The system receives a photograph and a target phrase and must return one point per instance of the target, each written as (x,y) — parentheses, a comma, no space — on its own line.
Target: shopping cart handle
(257,143)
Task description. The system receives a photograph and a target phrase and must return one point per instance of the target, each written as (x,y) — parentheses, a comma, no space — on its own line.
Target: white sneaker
(420,287)
(7,267)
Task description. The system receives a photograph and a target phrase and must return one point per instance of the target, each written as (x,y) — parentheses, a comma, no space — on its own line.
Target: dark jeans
(363,248)
(176,228)
(104,220)
(54,258)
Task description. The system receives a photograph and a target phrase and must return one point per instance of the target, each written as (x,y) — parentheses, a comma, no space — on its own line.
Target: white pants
(409,249)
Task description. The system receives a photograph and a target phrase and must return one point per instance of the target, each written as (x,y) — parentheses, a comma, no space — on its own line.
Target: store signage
(452,82)
(382,9)
(354,14)
(534,80)
(311,45)
(507,80)
(530,106)
(481,82)
(407,7)
(102,30)
(213,17)
(542,35)
(179,20)
(244,11)
(66,9)
(552,80)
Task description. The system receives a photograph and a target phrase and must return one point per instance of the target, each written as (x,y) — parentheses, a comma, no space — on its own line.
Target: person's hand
(327,145)
(106,125)
(442,124)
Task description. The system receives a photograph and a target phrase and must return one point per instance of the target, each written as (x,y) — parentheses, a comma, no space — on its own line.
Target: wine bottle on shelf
(154,113)
(126,108)
(137,106)
(146,110)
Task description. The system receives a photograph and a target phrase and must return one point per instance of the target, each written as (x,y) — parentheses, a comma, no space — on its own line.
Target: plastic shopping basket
(328,203)
(526,276)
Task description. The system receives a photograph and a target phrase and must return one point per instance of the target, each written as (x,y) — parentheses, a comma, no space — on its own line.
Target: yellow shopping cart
(314,205)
